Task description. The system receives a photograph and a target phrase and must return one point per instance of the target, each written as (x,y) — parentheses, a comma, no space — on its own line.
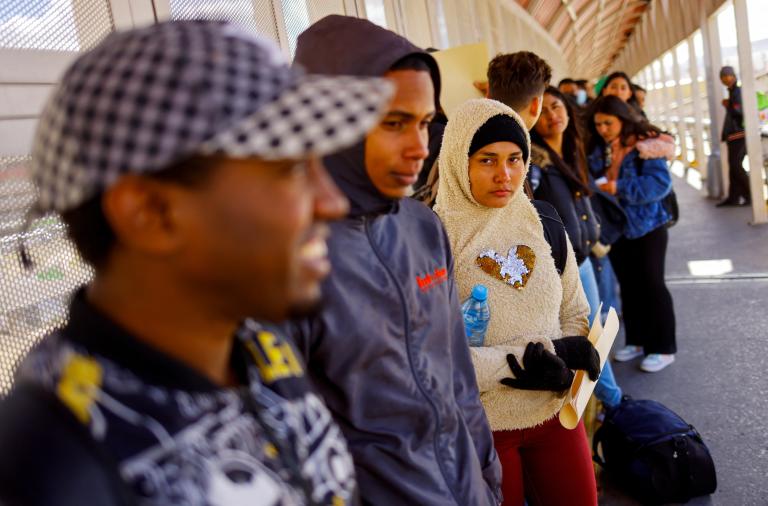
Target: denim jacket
(641,187)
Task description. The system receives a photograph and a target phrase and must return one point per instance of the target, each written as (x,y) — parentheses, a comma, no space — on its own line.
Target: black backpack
(654,453)
(554,233)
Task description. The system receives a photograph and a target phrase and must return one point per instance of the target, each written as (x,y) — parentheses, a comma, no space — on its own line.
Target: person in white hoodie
(524,366)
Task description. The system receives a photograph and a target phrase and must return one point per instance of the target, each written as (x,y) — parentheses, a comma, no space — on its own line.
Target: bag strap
(681,445)
(664,435)
(554,233)
(639,164)
(597,439)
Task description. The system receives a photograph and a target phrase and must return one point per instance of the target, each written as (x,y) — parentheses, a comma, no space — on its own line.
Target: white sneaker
(628,353)
(655,362)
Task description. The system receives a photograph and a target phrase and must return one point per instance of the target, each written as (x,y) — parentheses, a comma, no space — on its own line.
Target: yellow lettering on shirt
(270,451)
(275,361)
(79,385)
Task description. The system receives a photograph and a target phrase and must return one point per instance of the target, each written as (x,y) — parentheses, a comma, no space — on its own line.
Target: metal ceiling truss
(662,27)
(591,33)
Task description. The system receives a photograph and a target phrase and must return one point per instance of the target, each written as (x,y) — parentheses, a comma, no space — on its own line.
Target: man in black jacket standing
(389,352)
(733,135)
(177,157)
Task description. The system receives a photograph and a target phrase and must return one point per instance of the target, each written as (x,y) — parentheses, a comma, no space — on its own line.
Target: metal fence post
(698,130)
(716,170)
(749,104)
(682,128)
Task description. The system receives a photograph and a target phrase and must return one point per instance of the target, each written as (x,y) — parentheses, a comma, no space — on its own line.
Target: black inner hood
(342,45)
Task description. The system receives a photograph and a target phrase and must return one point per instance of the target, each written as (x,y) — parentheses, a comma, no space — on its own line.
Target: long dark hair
(573,164)
(632,123)
(632,87)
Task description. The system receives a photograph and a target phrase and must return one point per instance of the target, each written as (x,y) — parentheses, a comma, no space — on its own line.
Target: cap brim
(316,116)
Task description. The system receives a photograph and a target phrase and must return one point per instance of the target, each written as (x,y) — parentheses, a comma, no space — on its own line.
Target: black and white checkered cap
(147,98)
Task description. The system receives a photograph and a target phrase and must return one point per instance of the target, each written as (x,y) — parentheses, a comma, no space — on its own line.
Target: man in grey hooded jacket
(388,350)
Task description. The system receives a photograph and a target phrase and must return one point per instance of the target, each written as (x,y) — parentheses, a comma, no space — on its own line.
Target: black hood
(342,45)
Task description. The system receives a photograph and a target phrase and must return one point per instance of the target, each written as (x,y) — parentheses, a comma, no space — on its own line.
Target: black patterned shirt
(177,438)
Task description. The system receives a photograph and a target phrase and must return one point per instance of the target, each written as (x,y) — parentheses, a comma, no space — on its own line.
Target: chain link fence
(59,25)
(33,298)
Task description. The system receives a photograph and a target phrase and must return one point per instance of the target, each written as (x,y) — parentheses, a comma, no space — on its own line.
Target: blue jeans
(607,285)
(606,390)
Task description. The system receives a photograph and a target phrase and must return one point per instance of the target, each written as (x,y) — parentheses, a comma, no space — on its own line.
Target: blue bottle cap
(479,293)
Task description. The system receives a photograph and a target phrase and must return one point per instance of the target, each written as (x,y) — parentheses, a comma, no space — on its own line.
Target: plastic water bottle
(476,315)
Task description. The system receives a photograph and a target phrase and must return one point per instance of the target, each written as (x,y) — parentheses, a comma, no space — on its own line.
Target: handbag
(612,218)
(670,205)
(654,453)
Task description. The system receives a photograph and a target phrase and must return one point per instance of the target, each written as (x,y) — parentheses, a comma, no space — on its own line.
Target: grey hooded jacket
(388,352)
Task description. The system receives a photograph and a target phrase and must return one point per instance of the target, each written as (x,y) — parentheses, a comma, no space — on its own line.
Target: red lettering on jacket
(432,279)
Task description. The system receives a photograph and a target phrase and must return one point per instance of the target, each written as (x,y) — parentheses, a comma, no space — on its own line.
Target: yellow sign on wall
(460,68)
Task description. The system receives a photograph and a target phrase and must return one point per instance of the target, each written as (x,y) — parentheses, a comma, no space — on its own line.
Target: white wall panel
(417,24)
(33,66)
(23,100)
(16,136)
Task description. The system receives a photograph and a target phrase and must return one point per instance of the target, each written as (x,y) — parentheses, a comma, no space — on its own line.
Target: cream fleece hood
(528,300)
(454,198)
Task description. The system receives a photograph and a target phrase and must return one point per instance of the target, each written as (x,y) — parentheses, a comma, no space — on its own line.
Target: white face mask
(581,97)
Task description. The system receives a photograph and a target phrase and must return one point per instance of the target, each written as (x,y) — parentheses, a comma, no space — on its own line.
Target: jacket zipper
(406,335)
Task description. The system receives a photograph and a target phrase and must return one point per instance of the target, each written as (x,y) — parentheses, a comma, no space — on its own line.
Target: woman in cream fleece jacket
(498,241)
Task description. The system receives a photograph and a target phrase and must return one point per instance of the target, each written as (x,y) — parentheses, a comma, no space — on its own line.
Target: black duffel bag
(654,453)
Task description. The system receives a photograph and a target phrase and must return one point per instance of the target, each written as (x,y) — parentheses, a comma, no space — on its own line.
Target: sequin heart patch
(514,269)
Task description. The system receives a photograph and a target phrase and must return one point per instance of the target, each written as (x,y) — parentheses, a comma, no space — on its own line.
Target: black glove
(578,353)
(543,371)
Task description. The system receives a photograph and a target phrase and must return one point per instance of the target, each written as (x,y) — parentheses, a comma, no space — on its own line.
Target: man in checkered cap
(182,158)
(388,352)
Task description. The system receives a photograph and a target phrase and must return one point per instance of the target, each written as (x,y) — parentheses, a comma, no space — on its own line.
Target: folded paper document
(602,337)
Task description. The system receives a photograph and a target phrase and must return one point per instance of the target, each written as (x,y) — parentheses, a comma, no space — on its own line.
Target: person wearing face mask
(569,89)
(388,351)
(632,167)
(574,92)
(583,98)
(538,315)
(559,176)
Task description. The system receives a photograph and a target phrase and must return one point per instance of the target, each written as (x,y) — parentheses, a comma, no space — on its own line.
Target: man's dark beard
(306,309)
